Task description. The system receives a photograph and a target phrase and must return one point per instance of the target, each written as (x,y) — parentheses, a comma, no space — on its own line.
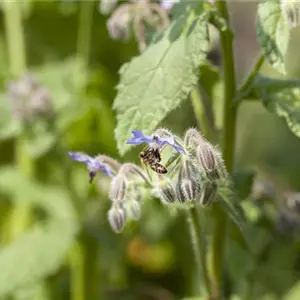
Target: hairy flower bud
(133,208)
(291,12)
(208,193)
(193,138)
(188,182)
(209,160)
(116,218)
(118,188)
(189,189)
(167,191)
(118,23)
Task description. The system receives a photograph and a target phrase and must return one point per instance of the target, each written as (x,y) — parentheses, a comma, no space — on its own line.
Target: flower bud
(118,188)
(291,12)
(208,193)
(118,24)
(167,192)
(189,188)
(133,208)
(193,138)
(116,218)
(107,6)
(188,179)
(209,160)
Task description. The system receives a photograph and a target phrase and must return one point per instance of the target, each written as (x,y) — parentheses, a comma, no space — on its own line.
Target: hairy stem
(199,248)
(230,115)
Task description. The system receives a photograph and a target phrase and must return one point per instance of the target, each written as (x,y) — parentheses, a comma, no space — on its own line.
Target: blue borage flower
(92,163)
(154,141)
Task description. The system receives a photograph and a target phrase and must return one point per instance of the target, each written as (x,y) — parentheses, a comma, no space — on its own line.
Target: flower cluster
(195,170)
(28,99)
(138,15)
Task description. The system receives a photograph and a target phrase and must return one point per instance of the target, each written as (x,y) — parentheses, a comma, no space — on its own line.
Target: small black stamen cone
(92,175)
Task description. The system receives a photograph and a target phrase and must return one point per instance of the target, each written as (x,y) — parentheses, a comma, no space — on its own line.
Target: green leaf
(44,246)
(272,33)
(40,139)
(9,126)
(282,97)
(156,82)
(243,181)
(229,203)
(293,293)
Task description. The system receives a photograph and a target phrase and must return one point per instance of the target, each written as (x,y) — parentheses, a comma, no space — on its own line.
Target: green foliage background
(65,248)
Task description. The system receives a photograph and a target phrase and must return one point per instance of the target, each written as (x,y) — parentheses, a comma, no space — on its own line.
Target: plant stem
(203,112)
(230,115)
(243,90)
(84,35)
(20,216)
(76,257)
(14,37)
(81,288)
(198,246)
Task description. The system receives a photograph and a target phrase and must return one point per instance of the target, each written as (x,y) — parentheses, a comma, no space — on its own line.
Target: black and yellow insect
(151,157)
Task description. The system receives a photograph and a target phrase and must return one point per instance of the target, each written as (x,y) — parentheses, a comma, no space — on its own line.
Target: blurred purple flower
(92,163)
(154,141)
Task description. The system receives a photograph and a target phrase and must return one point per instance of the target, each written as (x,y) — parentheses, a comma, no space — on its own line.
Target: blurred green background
(65,248)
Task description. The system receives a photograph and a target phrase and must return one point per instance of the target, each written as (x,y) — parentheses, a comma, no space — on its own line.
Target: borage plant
(174,41)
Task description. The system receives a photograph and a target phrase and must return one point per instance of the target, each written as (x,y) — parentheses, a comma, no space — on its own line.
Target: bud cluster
(197,174)
(29,100)
(193,173)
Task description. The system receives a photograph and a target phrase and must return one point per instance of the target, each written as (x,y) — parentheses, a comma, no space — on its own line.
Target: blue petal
(107,170)
(176,147)
(139,138)
(80,156)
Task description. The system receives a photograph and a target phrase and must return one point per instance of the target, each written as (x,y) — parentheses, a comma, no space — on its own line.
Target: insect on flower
(151,156)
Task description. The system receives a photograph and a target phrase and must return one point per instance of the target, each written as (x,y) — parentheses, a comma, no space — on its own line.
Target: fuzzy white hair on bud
(208,193)
(133,209)
(167,191)
(118,188)
(193,138)
(190,189)
(116,218)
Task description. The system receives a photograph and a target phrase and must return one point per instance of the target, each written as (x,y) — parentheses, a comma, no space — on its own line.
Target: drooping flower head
(154,141)
(93,164)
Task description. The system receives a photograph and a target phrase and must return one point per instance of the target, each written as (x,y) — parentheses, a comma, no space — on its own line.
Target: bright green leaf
(156,82)
(272,33)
